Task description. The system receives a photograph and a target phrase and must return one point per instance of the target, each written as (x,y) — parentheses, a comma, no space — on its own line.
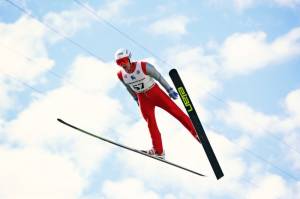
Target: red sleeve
(120,75)
(144,68)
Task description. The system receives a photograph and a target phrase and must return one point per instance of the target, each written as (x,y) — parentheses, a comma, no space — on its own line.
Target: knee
(178,114)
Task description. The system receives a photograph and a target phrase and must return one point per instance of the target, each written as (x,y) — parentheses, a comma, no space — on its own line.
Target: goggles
(122,61)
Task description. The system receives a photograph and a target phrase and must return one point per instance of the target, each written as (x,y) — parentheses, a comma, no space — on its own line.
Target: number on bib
(139,86)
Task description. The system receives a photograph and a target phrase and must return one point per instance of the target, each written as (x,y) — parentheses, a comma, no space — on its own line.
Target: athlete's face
(124,62)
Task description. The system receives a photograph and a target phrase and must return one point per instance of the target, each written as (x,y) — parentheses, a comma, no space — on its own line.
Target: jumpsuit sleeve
(152,72)
(132,93)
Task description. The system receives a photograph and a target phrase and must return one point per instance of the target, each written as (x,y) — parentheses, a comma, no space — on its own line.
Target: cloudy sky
(239,60)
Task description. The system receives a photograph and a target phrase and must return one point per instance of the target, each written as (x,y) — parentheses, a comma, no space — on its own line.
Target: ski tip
(60,120)
(172,71)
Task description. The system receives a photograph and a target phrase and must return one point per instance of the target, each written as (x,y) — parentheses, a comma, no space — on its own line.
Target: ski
(129,148)
(186,100)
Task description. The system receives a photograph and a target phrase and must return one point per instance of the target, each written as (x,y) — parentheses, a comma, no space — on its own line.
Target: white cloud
(292,103)
(295,191)
(271,187)
(292,139)
(195,60)
(36,126)
(24,57)
(91,74)
(287,45)
(33,173)
(244,117)
(69,22)
(181,148)
(127,188)
(47,144)
(93,109)
(243,4)
(253,122)
(61,103)
(243,53)
(239,54)
(5,101)
(257,123)
(113,8)
(172,25)
(27,36)
(291,125)
(2,124)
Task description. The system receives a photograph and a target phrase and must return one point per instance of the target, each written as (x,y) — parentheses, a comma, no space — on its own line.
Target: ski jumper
(142,86)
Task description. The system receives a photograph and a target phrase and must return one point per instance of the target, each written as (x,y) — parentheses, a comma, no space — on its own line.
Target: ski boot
(153,153)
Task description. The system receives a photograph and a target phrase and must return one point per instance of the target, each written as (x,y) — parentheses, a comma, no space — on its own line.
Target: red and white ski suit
(150,95)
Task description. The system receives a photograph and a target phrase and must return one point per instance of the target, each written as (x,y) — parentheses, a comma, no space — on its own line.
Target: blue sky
(239,60)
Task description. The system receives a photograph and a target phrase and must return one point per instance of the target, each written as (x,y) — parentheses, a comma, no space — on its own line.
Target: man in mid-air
(139,78)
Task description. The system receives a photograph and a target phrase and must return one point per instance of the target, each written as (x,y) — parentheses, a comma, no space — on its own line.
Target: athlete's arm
(152,72)
(132,93)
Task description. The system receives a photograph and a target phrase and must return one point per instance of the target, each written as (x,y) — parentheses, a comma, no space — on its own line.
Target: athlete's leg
(162,100)
(148,112)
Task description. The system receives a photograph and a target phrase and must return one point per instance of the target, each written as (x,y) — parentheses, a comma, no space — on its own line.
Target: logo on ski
(185,99)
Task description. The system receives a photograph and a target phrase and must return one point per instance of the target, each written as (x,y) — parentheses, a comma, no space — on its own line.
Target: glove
(172,93)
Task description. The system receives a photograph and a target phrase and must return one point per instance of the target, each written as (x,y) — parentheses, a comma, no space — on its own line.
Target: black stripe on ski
(196,122)
(129,148)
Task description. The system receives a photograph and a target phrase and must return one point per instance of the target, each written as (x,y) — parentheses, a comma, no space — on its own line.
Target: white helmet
(121,53)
